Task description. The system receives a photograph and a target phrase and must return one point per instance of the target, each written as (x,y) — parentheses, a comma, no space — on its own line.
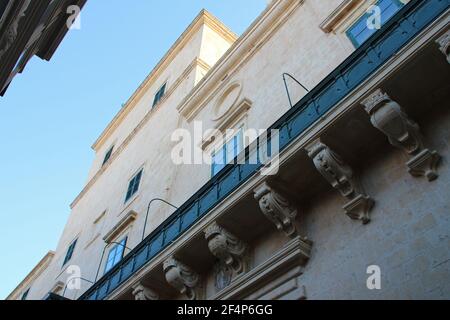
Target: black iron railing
(404,26)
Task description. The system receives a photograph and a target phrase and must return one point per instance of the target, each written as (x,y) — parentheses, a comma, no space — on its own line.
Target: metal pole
(286,86)
(148,210)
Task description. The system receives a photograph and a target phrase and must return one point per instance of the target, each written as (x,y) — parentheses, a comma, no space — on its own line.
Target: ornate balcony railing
(393,36)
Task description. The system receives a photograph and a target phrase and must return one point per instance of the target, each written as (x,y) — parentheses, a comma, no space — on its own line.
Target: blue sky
(55,110)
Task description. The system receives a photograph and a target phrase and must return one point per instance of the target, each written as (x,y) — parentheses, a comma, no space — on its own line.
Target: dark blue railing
(405,25)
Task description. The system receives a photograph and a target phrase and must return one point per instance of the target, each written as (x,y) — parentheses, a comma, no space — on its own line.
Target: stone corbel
(387,116)
(341,177)
(183,278)
(444,44)
(140,292)
(231,252)
(277,208)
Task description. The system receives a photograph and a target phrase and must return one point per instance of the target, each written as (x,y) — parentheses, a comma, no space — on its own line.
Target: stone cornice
(195,63)
(330,22)
(238,55)
(294,253)
(120,226)
(36,272)
(203,18)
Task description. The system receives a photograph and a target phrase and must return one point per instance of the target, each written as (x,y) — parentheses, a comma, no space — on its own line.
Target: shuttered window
(108,155)
(133,186)
(159,95)
(70,251)
(227,153)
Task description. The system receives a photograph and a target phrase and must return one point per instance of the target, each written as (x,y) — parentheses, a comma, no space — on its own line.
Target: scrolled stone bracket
(183,278)
(341,177)
(141,292)
(231,252)
(226,247)
(277,208)
(388,116)
(444,44)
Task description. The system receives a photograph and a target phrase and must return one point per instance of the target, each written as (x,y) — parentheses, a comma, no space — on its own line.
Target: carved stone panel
(11,33)
(341,177)
(444,44)
(140,292)
(183,278)
(231,252)
(387,116)
(277,208)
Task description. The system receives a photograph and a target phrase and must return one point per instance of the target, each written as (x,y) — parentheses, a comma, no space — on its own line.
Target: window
(70,252)
(227,153)
(159,95)
(360,32)
(108,155)
(25,295)
(115,254)
(133,186)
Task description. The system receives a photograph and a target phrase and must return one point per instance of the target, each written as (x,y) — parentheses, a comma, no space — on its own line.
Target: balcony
(324,112)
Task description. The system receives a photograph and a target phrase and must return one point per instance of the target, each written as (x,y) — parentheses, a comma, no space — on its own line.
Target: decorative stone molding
(230,121)
(277,208)
(37,271)
(444,44)
(231,253)
(276,278)
(11,33)
(124,223)
(140,292)
(339,14)
(341,177)
(402,132)
(227,100)
(183,278)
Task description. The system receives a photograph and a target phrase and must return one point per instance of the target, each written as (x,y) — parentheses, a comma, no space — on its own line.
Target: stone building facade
(358,206)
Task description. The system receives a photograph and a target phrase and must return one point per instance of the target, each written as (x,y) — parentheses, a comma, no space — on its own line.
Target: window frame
(122,244)
(132,185)
(108,155)
(70,251)
(159,95)
(25,294)
(239,147)
(399,4)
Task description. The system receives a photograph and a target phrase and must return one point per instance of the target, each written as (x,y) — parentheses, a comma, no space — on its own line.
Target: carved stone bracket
(183,278)
(140,292)
(402,132)
(341,177)
(231,252)
(444,44)
(277,208)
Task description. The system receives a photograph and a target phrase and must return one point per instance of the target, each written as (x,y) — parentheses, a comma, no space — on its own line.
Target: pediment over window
(229,120)
(124,223)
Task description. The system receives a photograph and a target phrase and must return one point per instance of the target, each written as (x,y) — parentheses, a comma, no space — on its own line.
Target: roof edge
(35,272)
(203,18)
